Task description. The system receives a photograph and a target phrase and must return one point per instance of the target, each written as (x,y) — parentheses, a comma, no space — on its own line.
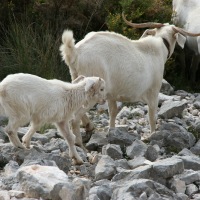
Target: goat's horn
(183,32)
(142,25)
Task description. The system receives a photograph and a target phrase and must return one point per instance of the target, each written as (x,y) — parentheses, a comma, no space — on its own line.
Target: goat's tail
(67,48)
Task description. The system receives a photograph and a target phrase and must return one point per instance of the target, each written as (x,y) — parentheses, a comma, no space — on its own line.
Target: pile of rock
(122,163)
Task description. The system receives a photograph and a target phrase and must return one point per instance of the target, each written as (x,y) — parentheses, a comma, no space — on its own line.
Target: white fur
(186,13)
(29,98)
(132,69)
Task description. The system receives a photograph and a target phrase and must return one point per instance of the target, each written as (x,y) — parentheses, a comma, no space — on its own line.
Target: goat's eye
(102,89)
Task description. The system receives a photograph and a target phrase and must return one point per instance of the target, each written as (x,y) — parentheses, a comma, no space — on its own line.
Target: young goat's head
(94,88)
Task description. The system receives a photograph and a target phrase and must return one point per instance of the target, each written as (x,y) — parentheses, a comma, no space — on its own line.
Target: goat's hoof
(77,162)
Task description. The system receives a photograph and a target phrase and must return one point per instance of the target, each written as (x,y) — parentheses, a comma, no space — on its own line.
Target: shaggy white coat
(29,98)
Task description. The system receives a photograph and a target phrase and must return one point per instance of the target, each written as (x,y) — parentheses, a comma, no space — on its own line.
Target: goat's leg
(27,137)
(112,112)
(70,138)
(11,130)
(194,67)
(89,126)
(152,110)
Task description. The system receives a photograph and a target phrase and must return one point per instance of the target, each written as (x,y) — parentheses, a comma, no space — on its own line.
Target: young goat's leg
(27,137)
(11,130)
(70,137)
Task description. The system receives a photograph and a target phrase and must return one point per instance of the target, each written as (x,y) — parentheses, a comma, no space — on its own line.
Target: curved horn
(142,25)
(183,32)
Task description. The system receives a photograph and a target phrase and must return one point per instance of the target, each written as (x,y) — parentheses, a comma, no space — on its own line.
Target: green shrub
(31,48)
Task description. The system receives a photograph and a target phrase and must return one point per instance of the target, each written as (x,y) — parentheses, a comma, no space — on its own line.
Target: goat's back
(128,67)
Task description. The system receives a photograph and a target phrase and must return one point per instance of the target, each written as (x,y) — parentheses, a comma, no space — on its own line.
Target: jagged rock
(189,176)
(151,153)
(9,152)
(167,168)
(191,189)
(36,156)
(123,163)
(112,150)
(137,173)
(137,162)
(178,186)
(121,136)
(136,149)
(3,135)
(97,141)
(191,162)
(174,136)
(103,192)
(105,168)
(196,148)
(162,98)
(49,182)
(172,109)
(11,168)
(166,88)
(134,188)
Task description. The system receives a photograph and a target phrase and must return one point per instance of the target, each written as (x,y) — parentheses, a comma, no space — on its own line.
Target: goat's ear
(89,84)
(148,32)
(78,79)
(180,39)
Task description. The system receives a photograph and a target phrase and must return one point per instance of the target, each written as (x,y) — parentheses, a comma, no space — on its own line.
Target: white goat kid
(132,69)
(29,98)
(186,13)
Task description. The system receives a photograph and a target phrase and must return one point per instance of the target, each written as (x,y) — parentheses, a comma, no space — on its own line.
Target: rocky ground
(124,163)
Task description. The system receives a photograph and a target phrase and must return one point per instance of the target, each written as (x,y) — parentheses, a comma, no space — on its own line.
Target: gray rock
(176,138)
(3,135)
(197,104)
(189,176)
(123,163)
(167,168)
(191,189)
(151,153)
(105,168)
(178,186)
(191,162)
(172,109)
(196,148)
(182,196)
(121,136)
(38,181)
(11,168)
(136,149)
(36,156)
(102,192)
(135,188)
(137,173)
(97,141)
(166,88)
(137,162)
(112,150)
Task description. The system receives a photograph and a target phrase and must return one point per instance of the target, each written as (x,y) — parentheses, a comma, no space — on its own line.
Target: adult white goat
(186,13)
(29,98)
(132,69)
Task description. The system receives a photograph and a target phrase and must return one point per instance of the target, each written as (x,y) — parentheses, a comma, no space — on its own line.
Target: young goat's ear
(78,79)
(89,84)
(180,39)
